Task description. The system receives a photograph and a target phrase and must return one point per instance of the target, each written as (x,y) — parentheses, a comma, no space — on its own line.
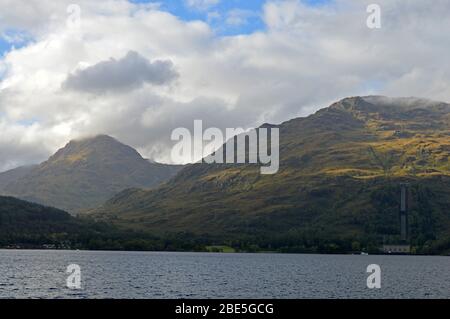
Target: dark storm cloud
(128,73)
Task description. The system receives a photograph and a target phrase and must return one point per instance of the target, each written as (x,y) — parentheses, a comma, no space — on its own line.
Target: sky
(136,70)
(243,17)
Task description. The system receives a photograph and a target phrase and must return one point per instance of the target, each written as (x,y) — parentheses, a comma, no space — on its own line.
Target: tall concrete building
(403,246)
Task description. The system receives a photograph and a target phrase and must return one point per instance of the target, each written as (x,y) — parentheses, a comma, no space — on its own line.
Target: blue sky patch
(228,17)
(12,39)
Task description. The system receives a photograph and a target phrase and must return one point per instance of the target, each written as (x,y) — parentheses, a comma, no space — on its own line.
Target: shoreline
(221,253)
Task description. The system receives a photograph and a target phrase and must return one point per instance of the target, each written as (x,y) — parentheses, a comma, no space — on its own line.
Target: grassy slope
(14,174)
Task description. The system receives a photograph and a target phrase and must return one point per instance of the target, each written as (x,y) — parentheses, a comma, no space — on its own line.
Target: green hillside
(84,174)
(24,224)
(337,187)
(28,225)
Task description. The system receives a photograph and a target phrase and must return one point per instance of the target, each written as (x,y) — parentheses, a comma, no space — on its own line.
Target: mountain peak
(99,147)
(96,139)
(375,103)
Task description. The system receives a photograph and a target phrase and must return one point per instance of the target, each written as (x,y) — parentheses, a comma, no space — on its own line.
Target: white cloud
(201,4)
(307,58)
(239,17)
(213,15)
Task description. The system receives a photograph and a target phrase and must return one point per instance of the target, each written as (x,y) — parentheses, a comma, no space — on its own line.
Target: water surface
(42,274)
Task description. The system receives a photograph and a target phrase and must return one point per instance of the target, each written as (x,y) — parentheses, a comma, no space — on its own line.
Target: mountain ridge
(335,166)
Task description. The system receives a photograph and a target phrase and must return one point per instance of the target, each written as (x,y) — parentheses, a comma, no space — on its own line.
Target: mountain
(84,174)
(337,188)
(14,174)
